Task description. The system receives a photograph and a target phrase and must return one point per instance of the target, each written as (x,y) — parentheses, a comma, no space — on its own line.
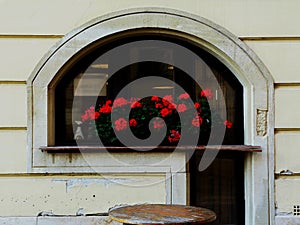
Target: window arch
(234,54)
(94,70)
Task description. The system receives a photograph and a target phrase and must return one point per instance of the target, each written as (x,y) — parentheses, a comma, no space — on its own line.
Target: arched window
(56,106)
(95,78)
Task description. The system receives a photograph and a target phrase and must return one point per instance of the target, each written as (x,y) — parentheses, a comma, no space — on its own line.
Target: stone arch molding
(236,55)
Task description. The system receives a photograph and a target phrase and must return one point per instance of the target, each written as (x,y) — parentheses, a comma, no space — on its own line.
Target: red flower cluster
(144,110)
(197,121)
(184,96)
(158,124)
(167,99)
(119,102)
(206,93)
(105,109)
(90,114)
(166,104)
(165,111)
(181,107)
(174,136)
(120,124)
(133,123)
(155,98)
(228,124)
(136,105)
(197,105)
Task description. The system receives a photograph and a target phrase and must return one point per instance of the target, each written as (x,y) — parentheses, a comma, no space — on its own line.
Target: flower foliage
(174,113)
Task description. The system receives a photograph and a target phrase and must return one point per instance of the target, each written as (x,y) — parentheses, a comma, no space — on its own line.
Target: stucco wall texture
(28,29)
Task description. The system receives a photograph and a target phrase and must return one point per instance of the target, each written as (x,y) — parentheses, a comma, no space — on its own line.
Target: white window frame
(236,55)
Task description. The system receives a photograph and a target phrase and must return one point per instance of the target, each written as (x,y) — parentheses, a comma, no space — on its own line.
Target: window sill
(71,149)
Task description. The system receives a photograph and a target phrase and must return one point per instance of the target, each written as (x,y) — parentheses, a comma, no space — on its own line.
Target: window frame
(255,78)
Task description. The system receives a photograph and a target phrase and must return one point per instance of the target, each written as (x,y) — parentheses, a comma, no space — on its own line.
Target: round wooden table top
(161,214)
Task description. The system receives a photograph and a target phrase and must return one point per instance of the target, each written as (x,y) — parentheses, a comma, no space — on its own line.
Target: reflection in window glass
(93,75)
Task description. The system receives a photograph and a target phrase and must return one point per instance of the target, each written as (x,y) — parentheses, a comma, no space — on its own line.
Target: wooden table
(151,214)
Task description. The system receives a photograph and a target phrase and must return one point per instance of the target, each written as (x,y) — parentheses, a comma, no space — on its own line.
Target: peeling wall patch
(261,122)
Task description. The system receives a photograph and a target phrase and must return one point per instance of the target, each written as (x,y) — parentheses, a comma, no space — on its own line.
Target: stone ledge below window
(88,148)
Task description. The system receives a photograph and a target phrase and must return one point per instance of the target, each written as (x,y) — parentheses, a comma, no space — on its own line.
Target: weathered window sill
(70,149)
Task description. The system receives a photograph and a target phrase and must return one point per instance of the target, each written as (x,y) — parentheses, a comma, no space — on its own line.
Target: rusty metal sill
(88,148)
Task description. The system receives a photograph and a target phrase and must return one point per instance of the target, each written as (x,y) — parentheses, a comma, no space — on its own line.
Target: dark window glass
(92,72)
(220,187)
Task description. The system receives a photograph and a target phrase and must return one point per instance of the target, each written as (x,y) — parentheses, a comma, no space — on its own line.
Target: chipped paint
(74,195)
(107,182)
(66,220)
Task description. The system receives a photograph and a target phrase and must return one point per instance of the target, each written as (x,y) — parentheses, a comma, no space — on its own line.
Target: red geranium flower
(197,105)
(181,108)
(228,124)
(184,96)
(132,123)
(108,102)
(172,106)
(120,124)
(136,105)
(119,102)
(158,106)
(168,98)
(164,112)
(84,117)
(90,114)
(206,93)
(96,115)
(158,124)
(197,121)
(174,136)
(105,109)
(165,102)
(155,98)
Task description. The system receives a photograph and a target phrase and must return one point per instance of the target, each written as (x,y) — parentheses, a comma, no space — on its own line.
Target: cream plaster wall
(243,18)
(287,151)
(13,100)
(16,62)
(13,151)
(29,28)
(287,196)
(287,114)
(65,195)
(281,57)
